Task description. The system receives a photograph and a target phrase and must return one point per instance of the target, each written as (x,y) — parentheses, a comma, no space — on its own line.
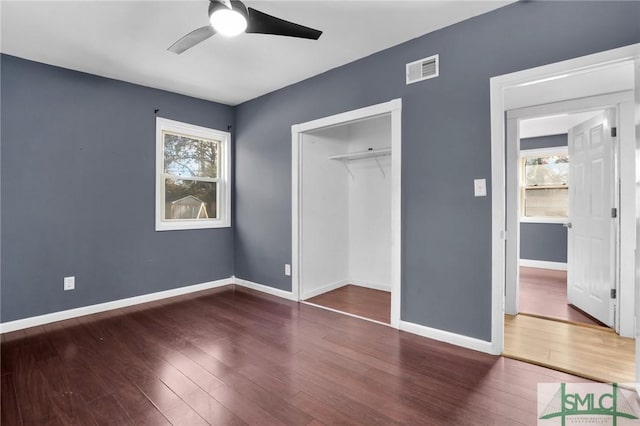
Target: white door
(591,270)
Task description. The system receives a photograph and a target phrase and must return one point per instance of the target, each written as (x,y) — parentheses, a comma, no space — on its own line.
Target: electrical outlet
(287,269)
(69,283)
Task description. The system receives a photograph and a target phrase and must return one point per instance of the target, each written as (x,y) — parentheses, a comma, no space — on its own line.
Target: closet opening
(346,213)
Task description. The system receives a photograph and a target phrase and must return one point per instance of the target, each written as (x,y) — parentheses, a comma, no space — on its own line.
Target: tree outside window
(193,174)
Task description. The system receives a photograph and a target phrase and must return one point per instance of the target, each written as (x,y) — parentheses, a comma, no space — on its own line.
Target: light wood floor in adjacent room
(364,302)
(596,353)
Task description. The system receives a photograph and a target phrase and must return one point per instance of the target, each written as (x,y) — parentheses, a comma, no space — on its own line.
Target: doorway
(563,176)
(600,186)
(346,212)
(578,187)
(533,91)
(568,178)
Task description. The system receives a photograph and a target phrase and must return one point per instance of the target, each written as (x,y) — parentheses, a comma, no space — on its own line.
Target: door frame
(393,109)
(623,169)
(498,87)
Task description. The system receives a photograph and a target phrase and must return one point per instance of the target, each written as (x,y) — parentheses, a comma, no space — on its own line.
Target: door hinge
(614,212)
(614,293)
(614,132)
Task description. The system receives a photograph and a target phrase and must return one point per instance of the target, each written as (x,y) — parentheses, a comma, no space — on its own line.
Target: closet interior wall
(346,208)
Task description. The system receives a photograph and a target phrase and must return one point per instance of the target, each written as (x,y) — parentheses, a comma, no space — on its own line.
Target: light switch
(480,187)
(69,283)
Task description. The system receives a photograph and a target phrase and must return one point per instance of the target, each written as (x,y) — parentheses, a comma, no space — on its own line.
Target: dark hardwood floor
(361,301)
(543,292)
(240,357)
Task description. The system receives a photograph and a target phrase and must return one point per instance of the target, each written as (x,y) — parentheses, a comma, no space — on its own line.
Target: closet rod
(370,153)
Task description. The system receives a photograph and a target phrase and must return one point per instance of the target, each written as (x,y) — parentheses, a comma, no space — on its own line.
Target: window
(192,177)
(544,178)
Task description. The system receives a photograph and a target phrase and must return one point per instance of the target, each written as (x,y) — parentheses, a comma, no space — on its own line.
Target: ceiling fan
(232,17)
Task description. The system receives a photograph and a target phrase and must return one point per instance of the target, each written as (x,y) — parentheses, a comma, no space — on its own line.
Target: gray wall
(78,168)
(544,141)
(446,265)
(78,185)
(543,241)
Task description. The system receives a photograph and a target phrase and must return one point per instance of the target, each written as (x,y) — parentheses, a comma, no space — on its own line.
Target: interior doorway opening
(346,212)
(587,188)
(555,89)
(554,175)
(581,192)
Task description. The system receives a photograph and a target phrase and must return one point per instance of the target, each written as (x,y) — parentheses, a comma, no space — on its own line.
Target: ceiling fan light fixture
(228,22)
(232,17)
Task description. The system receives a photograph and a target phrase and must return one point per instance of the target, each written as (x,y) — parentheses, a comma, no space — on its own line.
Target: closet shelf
(370,153)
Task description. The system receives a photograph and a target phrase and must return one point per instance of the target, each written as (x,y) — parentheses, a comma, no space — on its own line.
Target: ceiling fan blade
(261,23)
(191,39)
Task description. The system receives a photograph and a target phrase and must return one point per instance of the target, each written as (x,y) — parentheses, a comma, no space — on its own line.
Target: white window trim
(542,219)
(224,179)
(541,152)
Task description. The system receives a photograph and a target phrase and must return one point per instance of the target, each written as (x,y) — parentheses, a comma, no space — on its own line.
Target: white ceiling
(127,40)
(553,125)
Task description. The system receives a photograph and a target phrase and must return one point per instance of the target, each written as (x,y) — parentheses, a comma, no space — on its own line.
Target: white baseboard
(108,306)
(543,264)
(263,288)
(324,289)
(432,333)
(371,285)
(137,300)
(447,337)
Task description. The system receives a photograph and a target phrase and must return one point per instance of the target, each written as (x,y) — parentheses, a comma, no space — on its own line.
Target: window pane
(190,157)
(547,171)
(190,199)
(544,202)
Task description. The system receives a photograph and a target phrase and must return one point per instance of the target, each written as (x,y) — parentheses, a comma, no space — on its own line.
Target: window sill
(556,220)
(191,225)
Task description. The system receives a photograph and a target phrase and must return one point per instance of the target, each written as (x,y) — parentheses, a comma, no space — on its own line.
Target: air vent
(423,69)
